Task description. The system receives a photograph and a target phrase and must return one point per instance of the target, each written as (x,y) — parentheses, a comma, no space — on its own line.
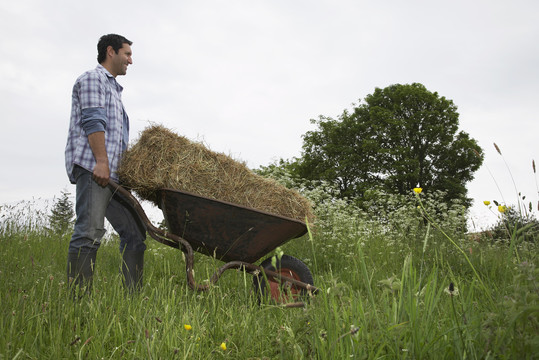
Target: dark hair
(116,41)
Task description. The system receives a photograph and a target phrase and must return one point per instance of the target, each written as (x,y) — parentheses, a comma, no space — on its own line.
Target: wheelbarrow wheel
(283,291)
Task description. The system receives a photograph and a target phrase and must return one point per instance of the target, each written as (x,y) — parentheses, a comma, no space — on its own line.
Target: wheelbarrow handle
(156,233)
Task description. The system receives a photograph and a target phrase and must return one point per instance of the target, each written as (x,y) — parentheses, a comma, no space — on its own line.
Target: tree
(400,137)
(62,214)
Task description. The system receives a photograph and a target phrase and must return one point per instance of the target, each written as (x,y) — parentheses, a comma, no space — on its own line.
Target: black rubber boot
(132,269)
(80,272)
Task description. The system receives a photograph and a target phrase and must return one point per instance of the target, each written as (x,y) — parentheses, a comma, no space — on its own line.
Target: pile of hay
(162,159)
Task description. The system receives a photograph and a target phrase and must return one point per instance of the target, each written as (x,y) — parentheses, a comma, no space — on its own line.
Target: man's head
(114,53)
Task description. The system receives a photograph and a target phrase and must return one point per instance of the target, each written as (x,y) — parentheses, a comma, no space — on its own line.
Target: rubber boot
(80,272)
(132,269)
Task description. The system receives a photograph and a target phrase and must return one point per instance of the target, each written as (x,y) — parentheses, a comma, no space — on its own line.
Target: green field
(384,278)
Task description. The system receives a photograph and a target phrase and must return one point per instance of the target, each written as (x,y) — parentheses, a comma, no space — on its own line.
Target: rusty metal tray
(227,231)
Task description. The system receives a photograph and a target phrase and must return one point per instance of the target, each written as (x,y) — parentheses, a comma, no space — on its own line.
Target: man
(98,135)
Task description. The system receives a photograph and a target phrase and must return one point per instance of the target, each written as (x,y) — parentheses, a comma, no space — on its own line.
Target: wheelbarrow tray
(227,231)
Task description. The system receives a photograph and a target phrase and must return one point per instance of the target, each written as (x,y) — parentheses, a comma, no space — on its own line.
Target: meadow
(404,280)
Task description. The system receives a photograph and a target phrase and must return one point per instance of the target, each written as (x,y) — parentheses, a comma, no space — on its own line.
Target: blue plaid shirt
(96,105)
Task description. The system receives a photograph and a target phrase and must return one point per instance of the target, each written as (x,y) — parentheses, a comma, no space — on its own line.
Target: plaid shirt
(96,89)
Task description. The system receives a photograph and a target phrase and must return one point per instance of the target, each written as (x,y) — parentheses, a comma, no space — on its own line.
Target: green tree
(400,137)
(62,214)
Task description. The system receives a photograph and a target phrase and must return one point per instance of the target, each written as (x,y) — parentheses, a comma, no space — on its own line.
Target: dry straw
(162,159)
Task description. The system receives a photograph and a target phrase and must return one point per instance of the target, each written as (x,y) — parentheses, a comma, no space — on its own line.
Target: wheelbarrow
(236,235)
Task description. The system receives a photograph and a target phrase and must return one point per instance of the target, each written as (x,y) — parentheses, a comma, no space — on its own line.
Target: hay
(162,159)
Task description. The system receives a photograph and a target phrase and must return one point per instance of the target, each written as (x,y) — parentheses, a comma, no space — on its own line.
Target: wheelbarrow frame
(177,242)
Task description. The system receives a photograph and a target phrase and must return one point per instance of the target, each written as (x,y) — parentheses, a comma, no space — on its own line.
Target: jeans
(95,203)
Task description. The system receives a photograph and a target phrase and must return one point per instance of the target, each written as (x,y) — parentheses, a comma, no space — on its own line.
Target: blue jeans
(95,203)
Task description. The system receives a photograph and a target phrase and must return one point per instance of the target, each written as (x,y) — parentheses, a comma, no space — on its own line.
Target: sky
(245,77)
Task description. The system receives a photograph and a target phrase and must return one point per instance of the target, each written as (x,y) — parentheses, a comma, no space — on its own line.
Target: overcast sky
(246,76)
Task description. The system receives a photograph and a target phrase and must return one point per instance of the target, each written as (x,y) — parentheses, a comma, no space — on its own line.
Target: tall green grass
(384,293)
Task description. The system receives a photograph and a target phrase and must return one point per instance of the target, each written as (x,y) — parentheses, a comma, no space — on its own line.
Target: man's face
(121,60)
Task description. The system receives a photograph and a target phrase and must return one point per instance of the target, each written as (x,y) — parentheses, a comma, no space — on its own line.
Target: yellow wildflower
(187,327)
(486,202)
(223,346)
(502,208)
(418,190)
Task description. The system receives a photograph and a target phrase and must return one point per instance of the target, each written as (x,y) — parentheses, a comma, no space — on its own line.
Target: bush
(513,223)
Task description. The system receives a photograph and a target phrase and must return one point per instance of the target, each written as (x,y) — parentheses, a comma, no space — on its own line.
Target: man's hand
(101,172)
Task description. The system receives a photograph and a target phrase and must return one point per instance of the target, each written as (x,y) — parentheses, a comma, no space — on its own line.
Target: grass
(385,293)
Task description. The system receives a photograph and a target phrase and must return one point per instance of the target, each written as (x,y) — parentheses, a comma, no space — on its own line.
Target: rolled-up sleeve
(93,120)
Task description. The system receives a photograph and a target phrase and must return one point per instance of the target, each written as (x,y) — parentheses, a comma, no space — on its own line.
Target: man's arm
(101,169)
